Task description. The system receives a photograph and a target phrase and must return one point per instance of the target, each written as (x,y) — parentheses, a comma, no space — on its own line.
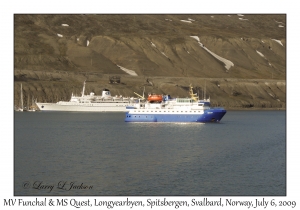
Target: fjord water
(68,153)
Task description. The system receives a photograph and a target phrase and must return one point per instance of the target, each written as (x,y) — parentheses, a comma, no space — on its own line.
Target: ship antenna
(83,88)
(21,96)
(205,90)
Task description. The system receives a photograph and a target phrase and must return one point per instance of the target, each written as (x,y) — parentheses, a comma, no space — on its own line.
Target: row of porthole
(152,116)
(169,112)
(139,116)
(100,103)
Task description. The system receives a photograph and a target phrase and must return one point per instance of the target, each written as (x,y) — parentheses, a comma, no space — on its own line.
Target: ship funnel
(106,93)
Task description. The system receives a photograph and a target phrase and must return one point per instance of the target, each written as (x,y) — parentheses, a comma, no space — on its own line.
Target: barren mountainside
(238,60)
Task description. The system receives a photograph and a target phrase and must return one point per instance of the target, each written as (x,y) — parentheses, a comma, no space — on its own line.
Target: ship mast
(205,90)
(144,92)
(192,94)
(83,88)
(21,97)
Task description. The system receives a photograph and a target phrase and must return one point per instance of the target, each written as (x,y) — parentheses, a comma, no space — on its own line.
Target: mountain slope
(232,46)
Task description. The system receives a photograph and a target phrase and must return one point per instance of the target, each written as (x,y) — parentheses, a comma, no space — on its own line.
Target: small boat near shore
(175,110)
(31,107)
(90,103)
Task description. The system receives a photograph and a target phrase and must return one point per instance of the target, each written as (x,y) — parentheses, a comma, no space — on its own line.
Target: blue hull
(211,115)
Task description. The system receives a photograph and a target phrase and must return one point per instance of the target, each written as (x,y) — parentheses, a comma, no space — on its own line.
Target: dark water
(245,154)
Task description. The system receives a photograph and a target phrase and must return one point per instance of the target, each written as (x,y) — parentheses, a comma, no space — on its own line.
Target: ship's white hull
(90,103)
(83,107)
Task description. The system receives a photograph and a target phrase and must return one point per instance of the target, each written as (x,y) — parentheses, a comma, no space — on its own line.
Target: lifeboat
(155,98)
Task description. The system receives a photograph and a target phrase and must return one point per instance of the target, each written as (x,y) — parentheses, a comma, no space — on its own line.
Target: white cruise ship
(90,103)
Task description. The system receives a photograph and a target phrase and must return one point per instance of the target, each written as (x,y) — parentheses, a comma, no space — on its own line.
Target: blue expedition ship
(166,109)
